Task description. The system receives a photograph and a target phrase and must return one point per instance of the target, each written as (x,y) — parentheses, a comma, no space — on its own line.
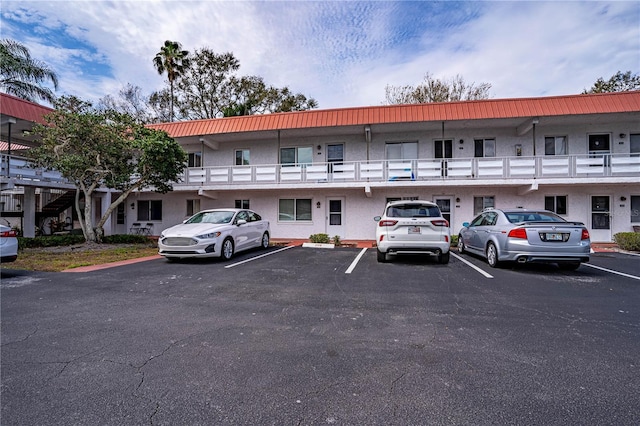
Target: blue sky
(342,53)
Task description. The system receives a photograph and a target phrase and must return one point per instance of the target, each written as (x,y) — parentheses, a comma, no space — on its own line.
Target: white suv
(412,227)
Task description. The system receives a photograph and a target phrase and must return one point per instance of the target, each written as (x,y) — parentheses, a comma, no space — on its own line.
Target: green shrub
(628,240)
(50,241)
(454,240)
(319,238)
(127,239)
(71,239)
(337,241)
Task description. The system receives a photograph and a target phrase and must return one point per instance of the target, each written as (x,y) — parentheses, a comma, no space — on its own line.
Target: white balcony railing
(13,166)
(574,166)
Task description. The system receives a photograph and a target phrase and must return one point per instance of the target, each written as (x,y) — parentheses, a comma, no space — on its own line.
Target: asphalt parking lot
(311,336)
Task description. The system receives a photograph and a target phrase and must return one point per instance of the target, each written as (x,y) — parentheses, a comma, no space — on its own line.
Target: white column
(29,210)
(105,203)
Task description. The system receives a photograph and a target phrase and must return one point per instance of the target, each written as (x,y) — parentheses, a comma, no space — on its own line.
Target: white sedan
(8,244)
(214,233)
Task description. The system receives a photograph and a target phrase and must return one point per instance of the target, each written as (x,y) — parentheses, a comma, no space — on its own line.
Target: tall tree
(619,82)
(172,60)
(94,148)
(210,88)
(129,100)
(436,90)
(23,76)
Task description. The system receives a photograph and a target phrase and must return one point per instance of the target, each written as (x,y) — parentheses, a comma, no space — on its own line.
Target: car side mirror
(377,218)
(241,222)
(465,224)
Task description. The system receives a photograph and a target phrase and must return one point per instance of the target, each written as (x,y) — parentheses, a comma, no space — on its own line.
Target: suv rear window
(413,210)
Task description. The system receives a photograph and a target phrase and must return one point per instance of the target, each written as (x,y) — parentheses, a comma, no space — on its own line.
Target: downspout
(534,122)
(10,122)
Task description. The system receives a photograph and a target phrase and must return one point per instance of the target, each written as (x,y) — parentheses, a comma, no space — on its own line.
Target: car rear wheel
(461,247)
(227,249)
(492,255)
(382,257)
(443,258)
(569,266)
(265,240)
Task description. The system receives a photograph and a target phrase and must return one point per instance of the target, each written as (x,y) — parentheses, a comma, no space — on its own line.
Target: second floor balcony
(609,166)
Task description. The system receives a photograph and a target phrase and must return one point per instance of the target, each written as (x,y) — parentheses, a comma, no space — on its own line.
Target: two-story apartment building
(332,171)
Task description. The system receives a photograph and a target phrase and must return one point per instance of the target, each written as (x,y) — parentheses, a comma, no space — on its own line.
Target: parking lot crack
(27,337)
(392,389)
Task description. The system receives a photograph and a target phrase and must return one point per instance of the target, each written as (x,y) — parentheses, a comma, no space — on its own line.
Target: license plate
(554,237)
(414,230)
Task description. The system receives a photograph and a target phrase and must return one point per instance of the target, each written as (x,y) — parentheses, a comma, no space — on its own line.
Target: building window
(242,204)
(242,157)
(149,210)
(193,207)
(195,159)
(484,147)
(300,155)
(556,204)
(555,145)
(293,210)
(120,214)
(401,150)
(443,148)
(481,203)
(635,209)
(634,143)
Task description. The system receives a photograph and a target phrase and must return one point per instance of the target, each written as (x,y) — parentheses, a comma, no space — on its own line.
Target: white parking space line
(486,274)
(355,261)
(611,271)
(258,257)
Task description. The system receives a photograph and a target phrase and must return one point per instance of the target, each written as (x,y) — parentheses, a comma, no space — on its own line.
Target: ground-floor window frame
(295,210)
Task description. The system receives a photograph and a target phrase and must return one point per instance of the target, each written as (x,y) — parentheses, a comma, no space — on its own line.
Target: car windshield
(211,217)
(519,217)
(413,210)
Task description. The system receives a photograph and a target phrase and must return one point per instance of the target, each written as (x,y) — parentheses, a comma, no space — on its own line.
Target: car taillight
(6,234)
(387,223)
(585,234)
(440,222)
(518,233)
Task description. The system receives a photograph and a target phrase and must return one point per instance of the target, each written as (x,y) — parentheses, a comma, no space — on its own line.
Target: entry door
(335,216)
(600,218)
(445,207)
(600,146)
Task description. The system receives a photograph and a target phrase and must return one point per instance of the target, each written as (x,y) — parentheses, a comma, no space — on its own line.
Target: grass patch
(56,259)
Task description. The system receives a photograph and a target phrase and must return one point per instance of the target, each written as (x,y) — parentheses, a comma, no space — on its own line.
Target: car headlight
(208,236)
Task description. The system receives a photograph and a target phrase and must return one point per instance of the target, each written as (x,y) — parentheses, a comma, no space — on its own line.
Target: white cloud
(341,53)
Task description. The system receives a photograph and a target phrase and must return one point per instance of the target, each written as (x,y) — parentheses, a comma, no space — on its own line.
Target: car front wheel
(492,255)
(227,249)
(265,240)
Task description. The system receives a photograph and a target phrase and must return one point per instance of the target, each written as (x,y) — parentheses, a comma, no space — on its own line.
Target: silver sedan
(214,233)
(524,236)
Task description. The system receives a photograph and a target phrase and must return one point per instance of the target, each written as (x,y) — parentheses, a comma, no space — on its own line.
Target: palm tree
(22,76)
(172,60)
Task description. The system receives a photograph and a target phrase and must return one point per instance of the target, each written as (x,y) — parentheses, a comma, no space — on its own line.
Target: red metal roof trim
(21,109)
(601,103)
